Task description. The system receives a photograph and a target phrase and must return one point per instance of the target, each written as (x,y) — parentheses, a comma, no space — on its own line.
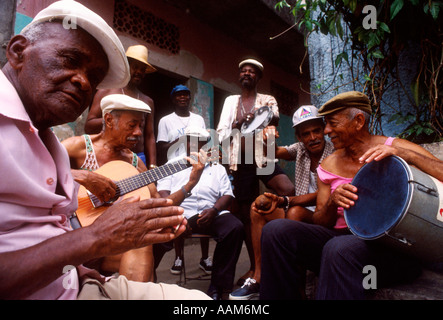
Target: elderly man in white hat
(238,109)
(307,153)
(53,69)
(207,211)
(123,119)
(139,66)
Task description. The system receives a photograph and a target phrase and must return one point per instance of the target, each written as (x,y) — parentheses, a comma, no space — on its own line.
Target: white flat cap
(199,132)
(122,102)
(253,62)
(72,14)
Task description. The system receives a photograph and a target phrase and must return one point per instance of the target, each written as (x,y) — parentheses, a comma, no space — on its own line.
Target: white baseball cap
(73,13)
(195,131)
(122,102)
(305,113)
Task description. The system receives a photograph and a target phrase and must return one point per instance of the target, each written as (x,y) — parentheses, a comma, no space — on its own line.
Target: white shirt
(213,184)
(172,127)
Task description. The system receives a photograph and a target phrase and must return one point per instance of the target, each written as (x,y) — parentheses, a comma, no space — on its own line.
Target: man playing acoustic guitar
(123,121)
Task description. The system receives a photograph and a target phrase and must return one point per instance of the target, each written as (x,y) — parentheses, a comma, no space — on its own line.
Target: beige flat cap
(350,99)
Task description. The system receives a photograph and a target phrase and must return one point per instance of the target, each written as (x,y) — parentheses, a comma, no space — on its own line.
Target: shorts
(246,181)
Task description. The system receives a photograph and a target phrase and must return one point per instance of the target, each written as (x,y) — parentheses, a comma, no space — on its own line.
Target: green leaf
(434,9)
(395,117)
(384,26)
(428,131)
(339,26)
(396,6)
(308,25)
(353,5)
(415,91)
(377,54)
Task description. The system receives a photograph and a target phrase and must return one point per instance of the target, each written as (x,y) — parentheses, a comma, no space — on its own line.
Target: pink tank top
(334,181)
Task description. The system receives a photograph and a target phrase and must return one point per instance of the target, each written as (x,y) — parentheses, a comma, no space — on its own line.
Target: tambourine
(262,117)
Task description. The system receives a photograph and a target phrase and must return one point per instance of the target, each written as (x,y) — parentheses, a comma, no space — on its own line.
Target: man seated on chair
(308,152)
(206,210)
(123,121)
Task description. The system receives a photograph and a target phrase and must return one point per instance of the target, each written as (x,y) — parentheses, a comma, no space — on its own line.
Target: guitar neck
(143,179)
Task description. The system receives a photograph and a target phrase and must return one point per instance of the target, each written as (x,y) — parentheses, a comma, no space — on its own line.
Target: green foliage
(398,23)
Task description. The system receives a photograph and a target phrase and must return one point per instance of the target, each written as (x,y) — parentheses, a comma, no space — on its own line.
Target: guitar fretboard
(143,179)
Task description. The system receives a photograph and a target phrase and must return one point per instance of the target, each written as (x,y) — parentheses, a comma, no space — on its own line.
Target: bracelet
(186,194)
(152,166)
(285,205)
(215,209)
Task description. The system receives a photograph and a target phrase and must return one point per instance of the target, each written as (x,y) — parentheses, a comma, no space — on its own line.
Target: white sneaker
(206,265)
(177,267)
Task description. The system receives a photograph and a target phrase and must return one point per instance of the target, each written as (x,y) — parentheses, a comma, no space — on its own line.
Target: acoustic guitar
(129,183)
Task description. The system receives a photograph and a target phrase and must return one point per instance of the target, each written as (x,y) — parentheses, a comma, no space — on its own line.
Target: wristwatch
(187,194)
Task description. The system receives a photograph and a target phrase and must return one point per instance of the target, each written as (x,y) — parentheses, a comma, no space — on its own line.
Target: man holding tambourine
(244,119)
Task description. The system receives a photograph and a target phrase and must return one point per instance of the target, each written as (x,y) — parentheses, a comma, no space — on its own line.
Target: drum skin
(397,205)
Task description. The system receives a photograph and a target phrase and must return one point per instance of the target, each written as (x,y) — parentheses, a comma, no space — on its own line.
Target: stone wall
(327,79)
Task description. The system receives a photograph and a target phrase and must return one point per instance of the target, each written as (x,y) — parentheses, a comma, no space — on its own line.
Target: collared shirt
(229,115)
(213,184)
(300,154)
(37,191)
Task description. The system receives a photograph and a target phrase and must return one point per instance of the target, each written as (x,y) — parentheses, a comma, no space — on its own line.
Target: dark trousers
(228,232)
(291,247)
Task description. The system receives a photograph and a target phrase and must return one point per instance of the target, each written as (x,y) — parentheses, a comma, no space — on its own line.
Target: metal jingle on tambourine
(262,117)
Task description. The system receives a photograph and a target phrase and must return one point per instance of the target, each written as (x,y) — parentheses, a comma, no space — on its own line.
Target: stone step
(428,286)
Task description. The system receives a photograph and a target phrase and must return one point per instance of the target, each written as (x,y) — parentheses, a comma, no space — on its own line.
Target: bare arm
(327,203)
(411,153)
(150,147)
(103,187)
(94,121)
(124,226)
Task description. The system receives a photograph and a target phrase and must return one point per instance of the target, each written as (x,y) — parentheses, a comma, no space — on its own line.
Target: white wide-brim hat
(72,14)
(122,102)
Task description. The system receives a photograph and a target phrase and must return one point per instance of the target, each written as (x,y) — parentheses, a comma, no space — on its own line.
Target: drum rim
(406,206)
(262,125)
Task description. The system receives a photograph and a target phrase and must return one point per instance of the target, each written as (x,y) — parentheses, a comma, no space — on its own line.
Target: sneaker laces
(248,282)
(208,261)
(177,262)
